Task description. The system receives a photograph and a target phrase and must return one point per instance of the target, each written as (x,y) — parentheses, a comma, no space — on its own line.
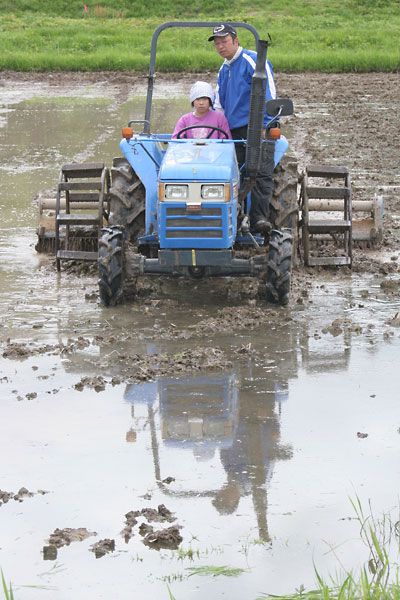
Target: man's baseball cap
(222,31)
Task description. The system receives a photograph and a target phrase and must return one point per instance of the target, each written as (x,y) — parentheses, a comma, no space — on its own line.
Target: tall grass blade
(378,549)
(171,596)
(8,593)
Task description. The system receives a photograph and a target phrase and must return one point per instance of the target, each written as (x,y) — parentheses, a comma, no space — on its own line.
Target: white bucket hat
(201,89)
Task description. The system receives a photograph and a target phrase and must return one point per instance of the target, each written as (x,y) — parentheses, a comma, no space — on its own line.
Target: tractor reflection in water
(207,415)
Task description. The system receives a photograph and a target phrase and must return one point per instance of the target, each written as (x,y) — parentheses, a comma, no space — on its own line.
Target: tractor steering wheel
(211,127)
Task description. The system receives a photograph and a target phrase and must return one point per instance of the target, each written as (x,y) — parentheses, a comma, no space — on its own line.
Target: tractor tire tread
(127,199)
(279,267)
(111,265)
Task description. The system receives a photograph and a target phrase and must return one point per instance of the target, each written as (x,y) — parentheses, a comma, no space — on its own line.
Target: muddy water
(255,455)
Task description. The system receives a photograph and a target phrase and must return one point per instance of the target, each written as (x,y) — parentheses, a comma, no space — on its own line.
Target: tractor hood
(199,160)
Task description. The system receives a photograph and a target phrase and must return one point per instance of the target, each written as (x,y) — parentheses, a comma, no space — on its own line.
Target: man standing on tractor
(233,97)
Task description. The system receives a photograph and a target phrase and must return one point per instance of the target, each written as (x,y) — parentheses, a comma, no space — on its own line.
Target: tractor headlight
(213,192)
(176,192)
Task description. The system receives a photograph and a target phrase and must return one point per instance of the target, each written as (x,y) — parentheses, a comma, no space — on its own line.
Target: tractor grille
(206,400)
(194,233)
(183,212)
(179,221)
(187,222)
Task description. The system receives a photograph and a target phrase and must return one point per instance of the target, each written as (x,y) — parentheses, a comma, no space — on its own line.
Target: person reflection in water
(249,462)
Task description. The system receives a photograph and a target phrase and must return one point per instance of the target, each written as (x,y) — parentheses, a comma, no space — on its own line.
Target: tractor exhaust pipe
(257,110)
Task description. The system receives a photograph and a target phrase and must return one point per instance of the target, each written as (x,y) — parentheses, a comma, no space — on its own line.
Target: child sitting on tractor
(204,121)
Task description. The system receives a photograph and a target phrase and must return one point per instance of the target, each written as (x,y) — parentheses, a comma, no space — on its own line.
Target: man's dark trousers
(262,191)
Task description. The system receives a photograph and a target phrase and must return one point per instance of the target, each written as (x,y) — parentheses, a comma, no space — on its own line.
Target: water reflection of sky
(261,479)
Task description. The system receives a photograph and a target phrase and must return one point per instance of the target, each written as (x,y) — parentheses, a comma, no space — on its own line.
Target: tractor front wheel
(279,267)
(127,200)
(284,208)
(111,265)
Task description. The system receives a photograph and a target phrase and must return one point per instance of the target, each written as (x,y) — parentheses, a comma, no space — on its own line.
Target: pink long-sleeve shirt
(213,118)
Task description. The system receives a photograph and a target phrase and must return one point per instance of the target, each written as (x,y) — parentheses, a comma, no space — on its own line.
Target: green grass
(8,592)
(379,577)
(335,35)
(214,571)
(170,594)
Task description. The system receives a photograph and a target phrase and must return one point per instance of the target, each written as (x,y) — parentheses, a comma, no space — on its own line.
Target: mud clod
(23,493)
(63,537)
(21,351)
(96,383)
(131,521)
(160,515)
(145,529)
(103,547)
(19,496)
(5,497)
(50,552)
(169,538)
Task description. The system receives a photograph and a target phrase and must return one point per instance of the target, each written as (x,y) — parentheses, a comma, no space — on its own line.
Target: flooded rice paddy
(197,428)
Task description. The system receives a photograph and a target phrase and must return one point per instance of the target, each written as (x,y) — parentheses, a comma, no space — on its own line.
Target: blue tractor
(180,207)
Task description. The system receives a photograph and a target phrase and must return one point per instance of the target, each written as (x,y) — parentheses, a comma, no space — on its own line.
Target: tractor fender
(281,146)
(141,157)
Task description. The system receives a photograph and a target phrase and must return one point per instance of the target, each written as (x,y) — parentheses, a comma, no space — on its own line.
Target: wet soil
(206,370)
(341,119)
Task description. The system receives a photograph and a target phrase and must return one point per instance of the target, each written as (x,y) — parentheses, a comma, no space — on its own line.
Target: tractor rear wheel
(111,265)
(279,267)
(127,200)
(284,208)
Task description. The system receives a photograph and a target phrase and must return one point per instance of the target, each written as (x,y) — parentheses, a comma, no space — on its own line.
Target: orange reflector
(227,190)
(161,191)
(193,207)
(127,132)
(274,133)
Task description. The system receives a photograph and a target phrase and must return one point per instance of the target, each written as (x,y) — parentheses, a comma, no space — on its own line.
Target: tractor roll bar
(153,50)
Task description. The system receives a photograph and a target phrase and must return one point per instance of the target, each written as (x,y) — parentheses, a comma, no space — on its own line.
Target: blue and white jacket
(234,86)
